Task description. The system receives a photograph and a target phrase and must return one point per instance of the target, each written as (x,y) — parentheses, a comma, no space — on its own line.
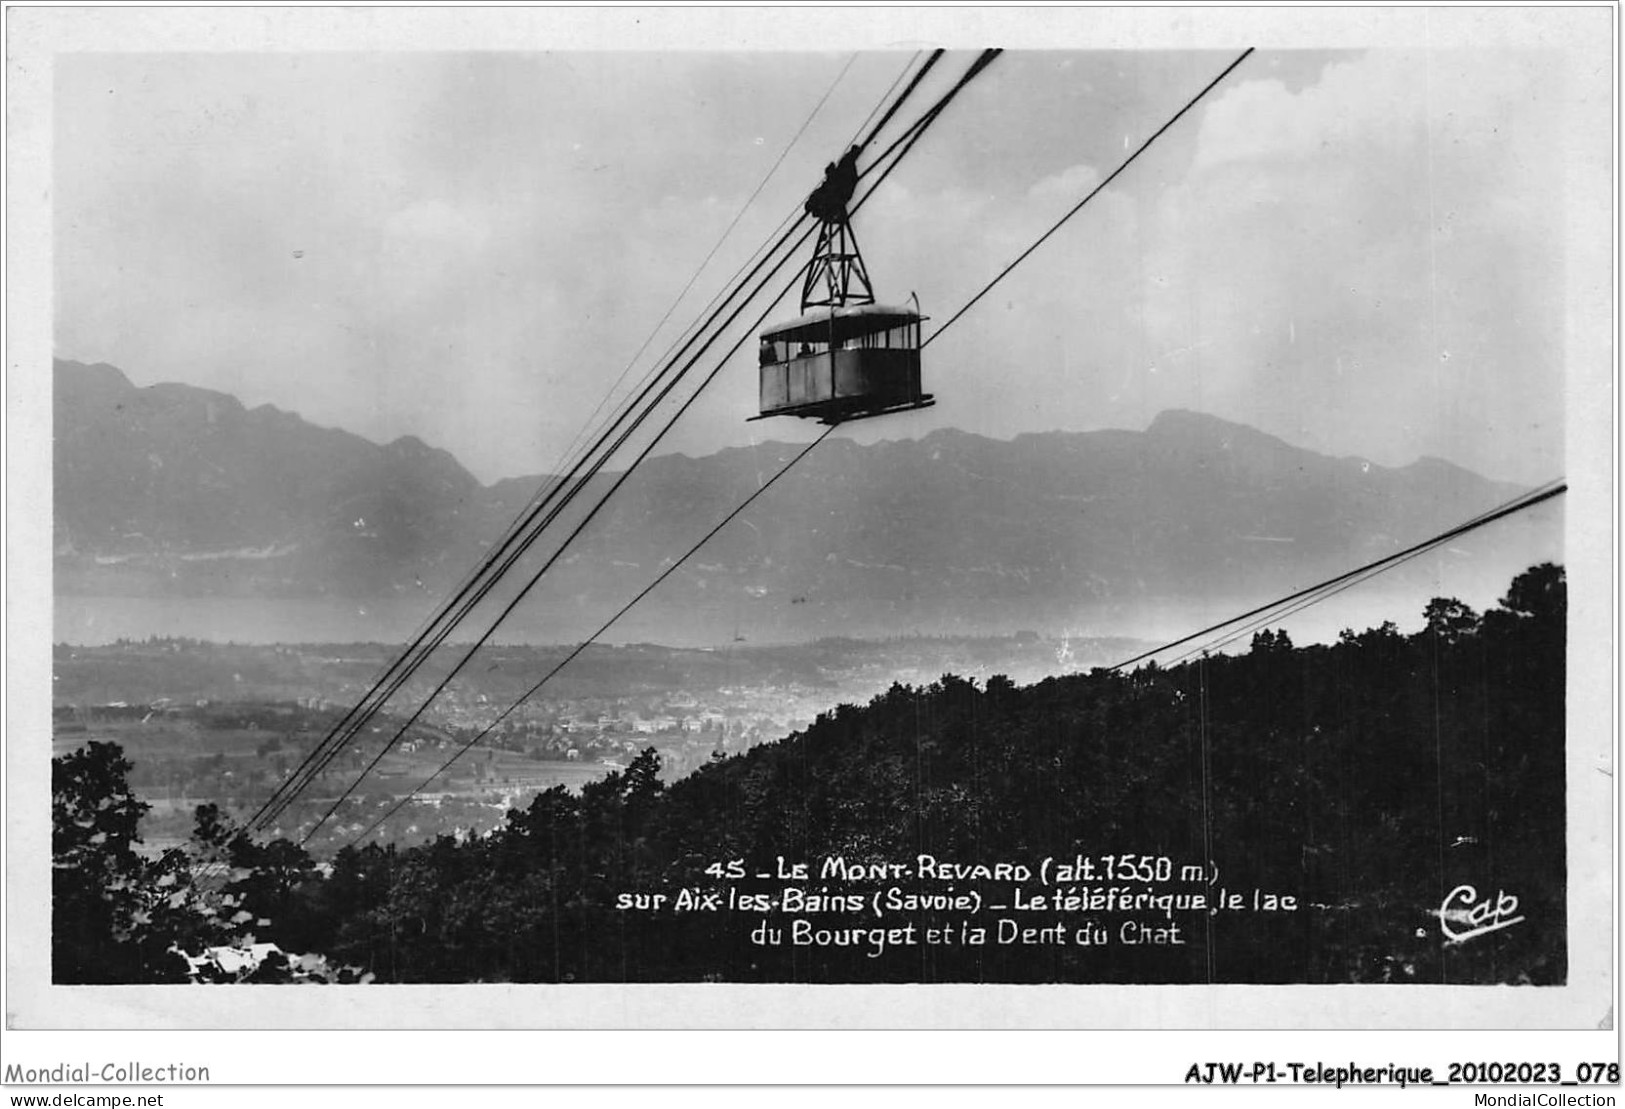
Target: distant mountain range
(172,491)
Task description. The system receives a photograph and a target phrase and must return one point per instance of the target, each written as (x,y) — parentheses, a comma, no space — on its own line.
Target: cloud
(1072,183)
(436,221)
(1364,255)
(1364,232)
(1363,263)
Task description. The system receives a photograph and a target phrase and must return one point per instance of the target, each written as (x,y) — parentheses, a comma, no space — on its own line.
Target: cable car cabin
(838,364)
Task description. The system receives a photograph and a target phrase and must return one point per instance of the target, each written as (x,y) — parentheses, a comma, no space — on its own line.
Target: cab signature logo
(1462,907)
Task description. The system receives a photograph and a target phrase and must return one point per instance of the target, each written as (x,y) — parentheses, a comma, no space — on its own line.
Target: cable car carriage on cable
(845,357)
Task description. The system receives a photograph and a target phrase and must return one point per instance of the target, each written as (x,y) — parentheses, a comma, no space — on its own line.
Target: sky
(1361,251)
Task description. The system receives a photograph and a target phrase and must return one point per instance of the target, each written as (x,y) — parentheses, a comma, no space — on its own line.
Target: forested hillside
(1289,814)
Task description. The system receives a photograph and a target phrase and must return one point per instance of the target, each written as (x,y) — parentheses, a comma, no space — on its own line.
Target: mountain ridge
(177,491)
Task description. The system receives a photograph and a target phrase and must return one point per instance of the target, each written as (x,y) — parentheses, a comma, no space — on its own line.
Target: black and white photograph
(819,511)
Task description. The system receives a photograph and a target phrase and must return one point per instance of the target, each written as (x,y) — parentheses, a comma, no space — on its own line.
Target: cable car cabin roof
(849,322)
